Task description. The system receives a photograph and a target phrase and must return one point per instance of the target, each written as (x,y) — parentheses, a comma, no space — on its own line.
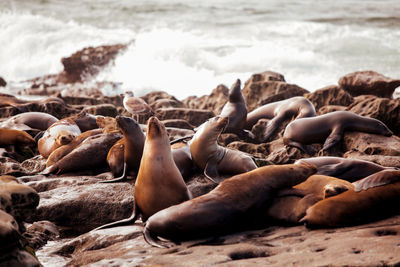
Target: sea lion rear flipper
(127,221)
(211,171)
(118,179)
(153,240)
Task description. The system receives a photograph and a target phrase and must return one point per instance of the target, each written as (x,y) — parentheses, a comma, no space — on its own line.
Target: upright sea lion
(15,137)
(350,207)
(225,208)
(236,110)
(29,121)
(291,204)
(60,152)
(329,128)
(213,158)
(277,112)
(159,183)
(60,133)
(347,169)
(134,140)
(90,154)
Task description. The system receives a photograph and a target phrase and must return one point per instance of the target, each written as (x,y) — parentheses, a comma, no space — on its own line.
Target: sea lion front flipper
(334,170)
(211,171)
(118,179)
(127,221)
(332,139)
(272,126)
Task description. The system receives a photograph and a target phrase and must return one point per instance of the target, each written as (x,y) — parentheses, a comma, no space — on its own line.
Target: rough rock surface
(213,102)
(383,109)
(387,161)
(329,95)
(372,144)
(369,83)
(193,116)
(267,87)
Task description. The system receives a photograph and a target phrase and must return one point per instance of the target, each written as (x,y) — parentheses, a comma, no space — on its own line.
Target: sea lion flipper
(127,221)
(305,148)
(271,127)
(332,139)
(153,240)
(211,171)
(291,192)
(122,178)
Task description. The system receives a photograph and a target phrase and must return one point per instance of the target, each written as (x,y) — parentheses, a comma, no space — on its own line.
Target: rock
(268,87)
(383,109)
(330,108)
(42,183)
(257,150)
(227,138)
(39,233)
(166,103)
(176,133)
(3,82)
(281,154)
(85,100)
(178,123)
(369,83)
(19,257)
(86,205)
(10,166)
(154,96)
(102,109)
(386,161)
(213,102)
(88,62)
(34,165)
(372,144)
(329,95)
(193,116)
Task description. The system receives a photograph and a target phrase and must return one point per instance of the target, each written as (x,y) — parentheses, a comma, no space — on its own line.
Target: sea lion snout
(154,127)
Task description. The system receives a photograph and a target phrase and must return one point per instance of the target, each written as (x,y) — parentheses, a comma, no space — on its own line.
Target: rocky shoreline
(72,204)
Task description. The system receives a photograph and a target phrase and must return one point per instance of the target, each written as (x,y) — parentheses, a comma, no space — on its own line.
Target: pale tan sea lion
(344,168)
(377,179)
(29,121)
(329,128)
(213,158)
(15,137)
(60,133)
(225,208)
(159,183)
(280,111)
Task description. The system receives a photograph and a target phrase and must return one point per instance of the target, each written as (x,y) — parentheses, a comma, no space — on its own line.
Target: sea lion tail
(153,240)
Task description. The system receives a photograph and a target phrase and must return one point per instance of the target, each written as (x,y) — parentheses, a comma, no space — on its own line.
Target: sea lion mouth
(154,127)
(223,122)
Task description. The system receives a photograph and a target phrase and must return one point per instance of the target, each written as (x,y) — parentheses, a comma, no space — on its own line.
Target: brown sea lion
(115,158)
(329,128)
(227,207)
(350,207)
(15,137)
(60,133)
(280,111)
(90,154)
(134,140)
(347,169)
(291,204)
(85,121)
(29,121)
(213,158)
(159,183)
(236,110)
(60,152)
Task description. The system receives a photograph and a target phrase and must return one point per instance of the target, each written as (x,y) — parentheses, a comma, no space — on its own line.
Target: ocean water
(188,47)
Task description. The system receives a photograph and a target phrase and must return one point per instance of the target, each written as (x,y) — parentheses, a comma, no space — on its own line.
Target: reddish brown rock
(372,144)
(193,116)
(268,87)
(329,95)
(166,103)
(386,161)
(227,138)
(369,83)
(39,233)
(178,123)
(383,109)
(257,150)
(154,96)
(330,108)
(108,110)
(213,102)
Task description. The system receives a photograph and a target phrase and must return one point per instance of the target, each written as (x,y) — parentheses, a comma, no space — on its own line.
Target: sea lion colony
(317,191)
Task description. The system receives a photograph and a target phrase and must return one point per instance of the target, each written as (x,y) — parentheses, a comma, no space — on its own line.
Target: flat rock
(372,144)
(369,83)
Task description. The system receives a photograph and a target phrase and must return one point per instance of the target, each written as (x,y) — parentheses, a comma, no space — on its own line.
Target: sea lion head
(26,139)
(331,190)
(64,137)
(235,94)
(127,125)
(156,129)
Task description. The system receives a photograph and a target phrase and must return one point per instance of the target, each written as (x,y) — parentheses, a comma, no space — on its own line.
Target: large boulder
(387,161)
(369,83)
(383,109)
(193,116)
(372,144)
(213,102)
(268,87)
(329,95)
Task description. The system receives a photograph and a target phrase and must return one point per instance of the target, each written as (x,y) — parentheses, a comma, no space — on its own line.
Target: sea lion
(183,158)
(8,179)
(236,110)
(115,158)
(60,133)
(134,140)
(90,154)
(280,111)
(29,121)
(15,137)
(159,183)
(227,207)
(329,128)
(291,204)
(213,158)
(85,121)
(347,169)
(377,179)
(60,152)
(351,208)
(9,232)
